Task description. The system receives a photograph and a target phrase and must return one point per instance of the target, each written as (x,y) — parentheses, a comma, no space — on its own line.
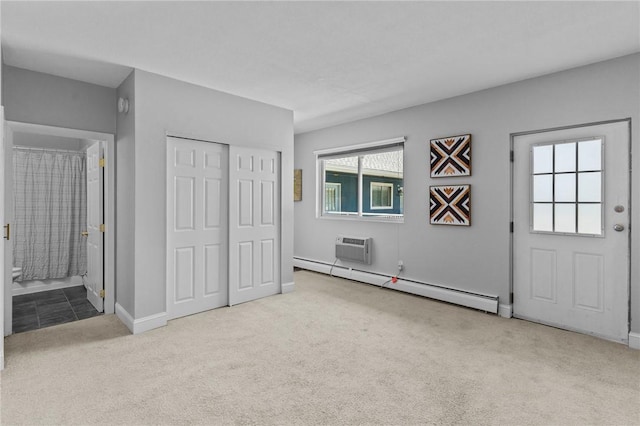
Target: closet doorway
(223,225)
(59,223)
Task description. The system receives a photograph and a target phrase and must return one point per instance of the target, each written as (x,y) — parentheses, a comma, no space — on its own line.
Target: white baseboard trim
(458,297)
(140,325)
(150,322)
(288,287)
(634,340)
(124,317)
(505,311)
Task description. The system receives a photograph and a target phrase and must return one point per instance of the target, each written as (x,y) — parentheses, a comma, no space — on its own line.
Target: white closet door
(95,237)
(254,224)
(197,226)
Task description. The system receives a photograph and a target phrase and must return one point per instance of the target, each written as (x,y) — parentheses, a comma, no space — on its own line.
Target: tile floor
(53,307)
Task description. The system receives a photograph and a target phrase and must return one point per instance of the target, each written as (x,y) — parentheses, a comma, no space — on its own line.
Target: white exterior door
(571,229)
(254,224)
(197,226)
(95,247)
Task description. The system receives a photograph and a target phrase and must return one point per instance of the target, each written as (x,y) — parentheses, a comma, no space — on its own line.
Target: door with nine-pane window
(571,222)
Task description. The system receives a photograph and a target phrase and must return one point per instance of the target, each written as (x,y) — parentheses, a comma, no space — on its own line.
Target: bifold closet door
(254,224)
(197,226)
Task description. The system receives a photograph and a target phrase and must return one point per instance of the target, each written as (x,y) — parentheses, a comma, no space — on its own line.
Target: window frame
(358,150)
(381,185)
(575,203)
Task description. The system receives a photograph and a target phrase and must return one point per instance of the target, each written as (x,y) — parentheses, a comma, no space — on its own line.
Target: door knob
(618,227)
(84,233)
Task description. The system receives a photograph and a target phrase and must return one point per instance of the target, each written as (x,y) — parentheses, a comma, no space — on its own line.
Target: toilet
(16,272)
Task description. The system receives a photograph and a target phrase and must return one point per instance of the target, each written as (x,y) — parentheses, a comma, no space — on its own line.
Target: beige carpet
(332,352)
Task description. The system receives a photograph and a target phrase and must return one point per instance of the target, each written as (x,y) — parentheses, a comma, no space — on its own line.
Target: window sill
(346,217)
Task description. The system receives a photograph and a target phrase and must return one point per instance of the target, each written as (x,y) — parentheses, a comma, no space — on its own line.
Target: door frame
(109,211)
(512,138)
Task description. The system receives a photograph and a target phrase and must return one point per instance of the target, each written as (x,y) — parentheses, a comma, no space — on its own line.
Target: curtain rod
(30,148)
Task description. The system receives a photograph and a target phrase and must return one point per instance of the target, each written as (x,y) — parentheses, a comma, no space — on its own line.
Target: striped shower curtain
(49,213)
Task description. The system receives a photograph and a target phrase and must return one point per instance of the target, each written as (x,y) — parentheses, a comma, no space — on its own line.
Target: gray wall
(475,258)
(166,105)
(37,98)
(125,198)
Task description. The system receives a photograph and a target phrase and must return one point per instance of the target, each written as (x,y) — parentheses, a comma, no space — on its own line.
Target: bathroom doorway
(59,193)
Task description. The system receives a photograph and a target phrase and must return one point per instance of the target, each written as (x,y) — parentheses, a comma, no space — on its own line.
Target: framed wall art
(451,156)
(450,205)
(297,185)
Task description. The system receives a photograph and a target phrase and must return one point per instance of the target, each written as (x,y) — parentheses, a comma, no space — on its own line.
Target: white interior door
(254,224)
(95,247)
(197,226)
(571,229)
(2,246)
(7,174)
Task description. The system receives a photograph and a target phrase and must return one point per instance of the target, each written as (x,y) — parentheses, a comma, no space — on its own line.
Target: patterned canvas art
(451,156)
(450,205)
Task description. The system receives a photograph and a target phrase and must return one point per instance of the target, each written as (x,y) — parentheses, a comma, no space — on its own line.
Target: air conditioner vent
(354,249)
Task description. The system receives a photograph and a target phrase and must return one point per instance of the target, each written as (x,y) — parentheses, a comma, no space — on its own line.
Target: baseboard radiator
(458,297)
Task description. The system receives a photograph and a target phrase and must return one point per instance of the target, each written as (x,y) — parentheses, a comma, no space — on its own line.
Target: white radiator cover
(354,249)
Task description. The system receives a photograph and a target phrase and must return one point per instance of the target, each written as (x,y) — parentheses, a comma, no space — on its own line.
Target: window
(363,180)
(381,195)
(332,197)
(566,187)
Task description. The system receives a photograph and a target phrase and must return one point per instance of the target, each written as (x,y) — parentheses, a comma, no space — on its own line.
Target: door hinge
(511,227)
(102,227)
(101,162)
(102,294)
(511,156)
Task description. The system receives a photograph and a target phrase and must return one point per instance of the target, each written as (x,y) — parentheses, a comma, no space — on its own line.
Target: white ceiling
(329,62)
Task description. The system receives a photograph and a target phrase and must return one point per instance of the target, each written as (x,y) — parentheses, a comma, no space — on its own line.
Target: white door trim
(512,137)
(109,192)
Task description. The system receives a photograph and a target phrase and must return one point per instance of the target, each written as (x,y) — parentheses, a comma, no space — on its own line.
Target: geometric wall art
(451,156)
(450,205)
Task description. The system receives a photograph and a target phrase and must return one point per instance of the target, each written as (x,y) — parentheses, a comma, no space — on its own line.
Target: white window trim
(383,185)
(323,154)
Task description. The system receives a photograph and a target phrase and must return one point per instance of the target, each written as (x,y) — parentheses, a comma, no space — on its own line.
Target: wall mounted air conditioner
(354,249)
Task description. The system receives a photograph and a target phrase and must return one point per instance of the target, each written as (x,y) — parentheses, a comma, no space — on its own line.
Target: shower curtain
(49,213)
